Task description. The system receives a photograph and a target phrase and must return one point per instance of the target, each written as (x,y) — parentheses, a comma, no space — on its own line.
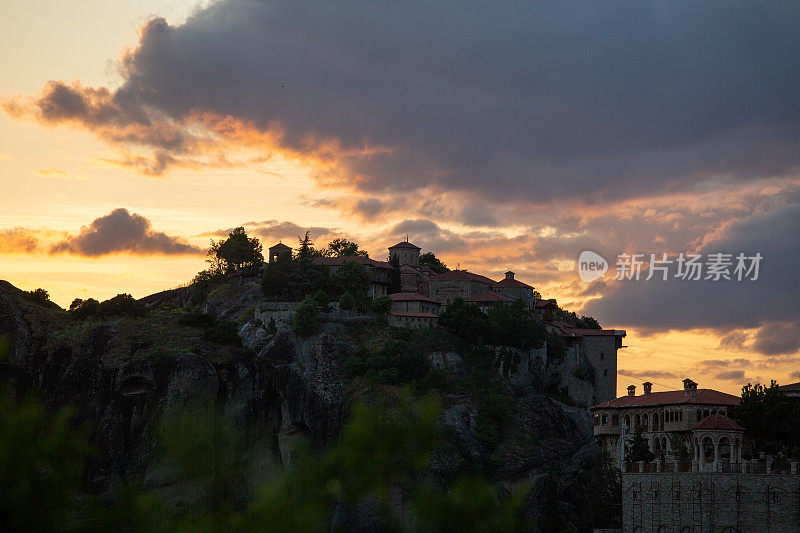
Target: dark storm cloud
(542,101)
(427,235)
(778,338)
(772,303)
(122,232)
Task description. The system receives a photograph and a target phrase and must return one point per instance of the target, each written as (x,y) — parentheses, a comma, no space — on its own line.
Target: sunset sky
(498,136)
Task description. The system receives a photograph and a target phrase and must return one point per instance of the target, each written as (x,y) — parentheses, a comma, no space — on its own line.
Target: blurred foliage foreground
(381,454)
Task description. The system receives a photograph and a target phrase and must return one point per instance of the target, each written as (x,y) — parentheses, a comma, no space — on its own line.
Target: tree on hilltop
(236,252)
(343,248)
(433,262)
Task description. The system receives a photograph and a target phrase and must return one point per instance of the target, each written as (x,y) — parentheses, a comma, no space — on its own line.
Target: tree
(638,450)
(236,252)
(395,282)
(769,416)
(433,262)
(305,322)
(353,277)
(323,300)
(306,250)
(39,297)
(343,248)
(347,302)
(381,305)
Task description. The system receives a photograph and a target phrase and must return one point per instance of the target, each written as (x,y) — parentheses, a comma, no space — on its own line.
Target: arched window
(645,420)
(655,421)
(713,411)
(680,416)
(724,448)
(708,450)
(605,420)
(638,421)
(628,421)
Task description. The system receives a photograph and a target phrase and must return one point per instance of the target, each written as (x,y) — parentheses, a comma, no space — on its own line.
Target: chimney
(509,275)
(689,387)
(631,390)
(647,387)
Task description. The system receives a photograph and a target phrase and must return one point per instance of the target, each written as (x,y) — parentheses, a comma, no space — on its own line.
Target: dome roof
(717,422)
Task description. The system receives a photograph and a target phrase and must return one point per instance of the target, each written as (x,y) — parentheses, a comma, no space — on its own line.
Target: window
(680,416)
(605,373)
(614,420)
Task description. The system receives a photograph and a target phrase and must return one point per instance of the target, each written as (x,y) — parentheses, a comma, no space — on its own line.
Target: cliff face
(279,390)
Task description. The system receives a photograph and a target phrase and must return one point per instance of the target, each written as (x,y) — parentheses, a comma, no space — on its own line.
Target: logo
(591,266)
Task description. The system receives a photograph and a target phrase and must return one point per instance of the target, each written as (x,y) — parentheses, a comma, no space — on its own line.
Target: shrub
(305,321)
(214,329)
(381,305)
(119,305)
(396,362)
(39,297)
(347,302)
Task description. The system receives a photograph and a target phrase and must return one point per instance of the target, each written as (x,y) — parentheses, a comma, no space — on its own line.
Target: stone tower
(407,253)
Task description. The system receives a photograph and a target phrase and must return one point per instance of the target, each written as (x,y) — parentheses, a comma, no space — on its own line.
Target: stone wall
(600,352)
(695,502)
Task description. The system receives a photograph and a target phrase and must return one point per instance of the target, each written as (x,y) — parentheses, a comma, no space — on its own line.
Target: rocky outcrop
(279,390)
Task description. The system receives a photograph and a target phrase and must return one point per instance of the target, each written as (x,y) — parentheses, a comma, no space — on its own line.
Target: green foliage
(347,302)
(119,305)
(306,250)
(551,520)
(305,320)
(214,329)
(203,283)
(638,450)
(39,297)
(472,504)
(433,262)
(603,507)
(323,301)
(395,281)
(41,462)
(586,322)
(353,277)
(343,248)
(495,414)
(768,416)
(236,252)
(293,279)
(505,325)
(556,348)
(395,362)
(381,305)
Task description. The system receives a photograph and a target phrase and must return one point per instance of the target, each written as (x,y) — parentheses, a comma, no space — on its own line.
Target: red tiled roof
(411,297)
(673,397)
(717,422)
(490,297)
(413,315)
(464,275)
(545,303)
(338,261)
(508,282)
(791,387)
(405,244)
